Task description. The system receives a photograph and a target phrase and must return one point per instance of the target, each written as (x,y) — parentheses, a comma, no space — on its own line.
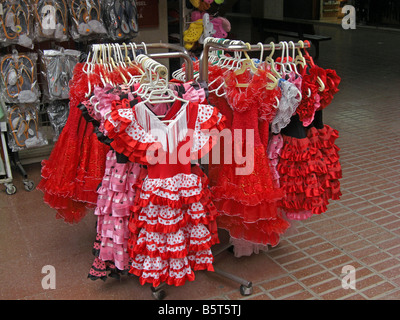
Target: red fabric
(310,171)
(76,164)
(248,203)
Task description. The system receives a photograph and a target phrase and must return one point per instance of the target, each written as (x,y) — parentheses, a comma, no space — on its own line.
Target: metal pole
(234,46)
(233,277)
(188,62)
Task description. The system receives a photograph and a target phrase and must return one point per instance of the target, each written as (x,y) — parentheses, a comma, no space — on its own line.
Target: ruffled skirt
(248,204)
(74,170)
(309,170)
(115,197)
(173,226)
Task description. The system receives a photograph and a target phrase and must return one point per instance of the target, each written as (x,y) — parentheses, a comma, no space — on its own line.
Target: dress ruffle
(309,171)
(69,178)
(325,139)
(115,197)
(139,146)
(251,189)
(265,232)
(171,239)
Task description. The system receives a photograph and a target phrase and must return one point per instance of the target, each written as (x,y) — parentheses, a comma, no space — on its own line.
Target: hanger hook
(283,50)
(145,47)
(273,50)
(262,51)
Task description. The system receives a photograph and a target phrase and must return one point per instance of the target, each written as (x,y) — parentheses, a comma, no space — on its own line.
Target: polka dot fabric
(173,220)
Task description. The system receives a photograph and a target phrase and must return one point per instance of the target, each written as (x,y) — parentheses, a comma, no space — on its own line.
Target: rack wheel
(158,295)
(11,189)
(29,185)
(246,291)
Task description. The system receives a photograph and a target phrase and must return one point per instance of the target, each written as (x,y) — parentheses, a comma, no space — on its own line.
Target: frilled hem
(265,232)
(226,192)
(163,279)
(249,214)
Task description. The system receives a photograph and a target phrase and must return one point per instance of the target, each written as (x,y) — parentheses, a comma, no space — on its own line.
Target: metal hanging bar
(234,46)
(177,52)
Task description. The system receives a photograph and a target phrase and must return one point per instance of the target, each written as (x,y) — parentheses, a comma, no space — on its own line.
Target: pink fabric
(115,197)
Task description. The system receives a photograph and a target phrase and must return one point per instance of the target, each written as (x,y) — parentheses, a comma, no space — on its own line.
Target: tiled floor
(361,230)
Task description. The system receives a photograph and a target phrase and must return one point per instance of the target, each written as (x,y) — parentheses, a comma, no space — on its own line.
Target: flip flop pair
(122,19)
(15,22)
(23,125)
(51,16)
(18,72)
(87,17)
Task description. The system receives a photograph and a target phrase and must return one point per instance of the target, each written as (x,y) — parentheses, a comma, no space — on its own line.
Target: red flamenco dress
(309,165)
(324,138)
(247,201)
(76,164)
(215,87)
(173,221)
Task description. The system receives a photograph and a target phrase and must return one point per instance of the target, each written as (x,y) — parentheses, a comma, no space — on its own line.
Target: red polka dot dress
(173,220)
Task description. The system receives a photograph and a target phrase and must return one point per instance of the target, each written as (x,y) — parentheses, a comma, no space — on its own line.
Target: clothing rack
(246,287)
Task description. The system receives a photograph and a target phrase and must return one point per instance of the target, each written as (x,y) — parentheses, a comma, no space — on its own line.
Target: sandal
(226,25)
(219,30)
(9,21)
(26,93)
(195,3)
(194,32)
(45,18)
(22,20)
(208,28)
(204,6)
(196,15)
(53,12)
(17,124)
(61,27)
(9,71)
(32,129)
(80,15)
(94,15)
(131,9)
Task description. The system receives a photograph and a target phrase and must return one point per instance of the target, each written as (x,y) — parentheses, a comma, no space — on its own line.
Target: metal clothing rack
(246,287)
(176,52)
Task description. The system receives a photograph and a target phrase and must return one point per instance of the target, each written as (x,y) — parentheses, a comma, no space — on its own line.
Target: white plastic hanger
(271,62)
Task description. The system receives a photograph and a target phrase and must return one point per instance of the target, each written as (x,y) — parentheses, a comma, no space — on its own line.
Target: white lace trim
(290,100)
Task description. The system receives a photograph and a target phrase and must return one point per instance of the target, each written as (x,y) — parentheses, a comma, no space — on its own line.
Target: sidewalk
(361,230)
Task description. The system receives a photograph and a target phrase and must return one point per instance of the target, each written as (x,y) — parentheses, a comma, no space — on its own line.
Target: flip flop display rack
(25,22)
(35,72)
